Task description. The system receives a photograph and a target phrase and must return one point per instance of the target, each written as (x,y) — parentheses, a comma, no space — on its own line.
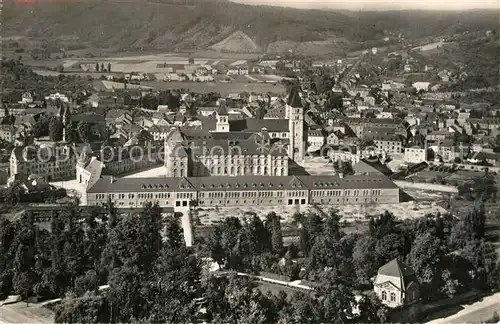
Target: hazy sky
(382,4)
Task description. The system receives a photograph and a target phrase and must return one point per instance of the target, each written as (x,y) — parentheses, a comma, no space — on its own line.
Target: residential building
(391,144)
(122,160)
(415,154)
(8,133)
(118,117)
(88,170)
(50,164)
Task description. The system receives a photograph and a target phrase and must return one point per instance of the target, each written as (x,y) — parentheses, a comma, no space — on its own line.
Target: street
(474,313)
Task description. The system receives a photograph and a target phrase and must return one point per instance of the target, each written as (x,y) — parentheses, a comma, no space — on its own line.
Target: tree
(424,258)
(89,308)
(451,285)
(41,127)
(345,167)
(335,298)
(112,213)
(24,278)
(388,248)
(83,129)
(135,241)
(475,221)
(372,310)
(382,225)
(273,225)
(174,232)
(175,287)
(55,129)
(97,67)
(7,235)
(102,67)
(365,259)
(109,67)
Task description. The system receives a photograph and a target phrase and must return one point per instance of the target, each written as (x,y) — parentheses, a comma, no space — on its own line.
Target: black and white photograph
(250,161)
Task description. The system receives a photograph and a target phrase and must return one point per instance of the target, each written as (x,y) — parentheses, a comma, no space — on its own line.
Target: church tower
(222,118)
(295,114)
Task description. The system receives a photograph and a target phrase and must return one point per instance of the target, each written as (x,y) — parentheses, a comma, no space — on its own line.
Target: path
(474,313)
(19,313)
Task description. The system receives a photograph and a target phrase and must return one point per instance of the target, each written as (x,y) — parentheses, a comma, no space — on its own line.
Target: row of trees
(144,253)
(101,67)
(432,246)
(17,78)
(151,275)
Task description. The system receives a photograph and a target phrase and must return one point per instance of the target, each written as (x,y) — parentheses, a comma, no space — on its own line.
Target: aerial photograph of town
(248,161)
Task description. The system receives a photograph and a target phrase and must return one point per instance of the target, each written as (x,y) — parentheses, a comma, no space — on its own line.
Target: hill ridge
(201,24)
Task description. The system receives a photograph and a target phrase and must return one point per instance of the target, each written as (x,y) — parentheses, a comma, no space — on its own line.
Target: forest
(152,276)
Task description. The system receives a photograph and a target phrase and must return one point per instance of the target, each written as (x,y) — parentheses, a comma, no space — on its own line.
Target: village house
(8,133)
(396,284)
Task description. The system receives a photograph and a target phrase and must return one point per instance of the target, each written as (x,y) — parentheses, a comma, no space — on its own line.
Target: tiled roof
(228,147)
(92,118)
(242,183)
(115,113)
(256,125)
(375,121)
(397,269)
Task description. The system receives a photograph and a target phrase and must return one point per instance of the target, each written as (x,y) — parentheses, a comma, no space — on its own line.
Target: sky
(382,4)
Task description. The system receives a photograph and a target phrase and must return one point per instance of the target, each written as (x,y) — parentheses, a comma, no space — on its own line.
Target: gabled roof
(222,109)
(115,113)
(403,275)
(365,167)
(90,118)
(256,125)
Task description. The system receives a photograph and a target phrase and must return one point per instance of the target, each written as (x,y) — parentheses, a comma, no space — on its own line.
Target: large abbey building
(241,147)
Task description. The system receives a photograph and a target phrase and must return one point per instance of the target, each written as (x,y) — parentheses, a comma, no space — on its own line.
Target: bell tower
(222,118)
(295,113)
